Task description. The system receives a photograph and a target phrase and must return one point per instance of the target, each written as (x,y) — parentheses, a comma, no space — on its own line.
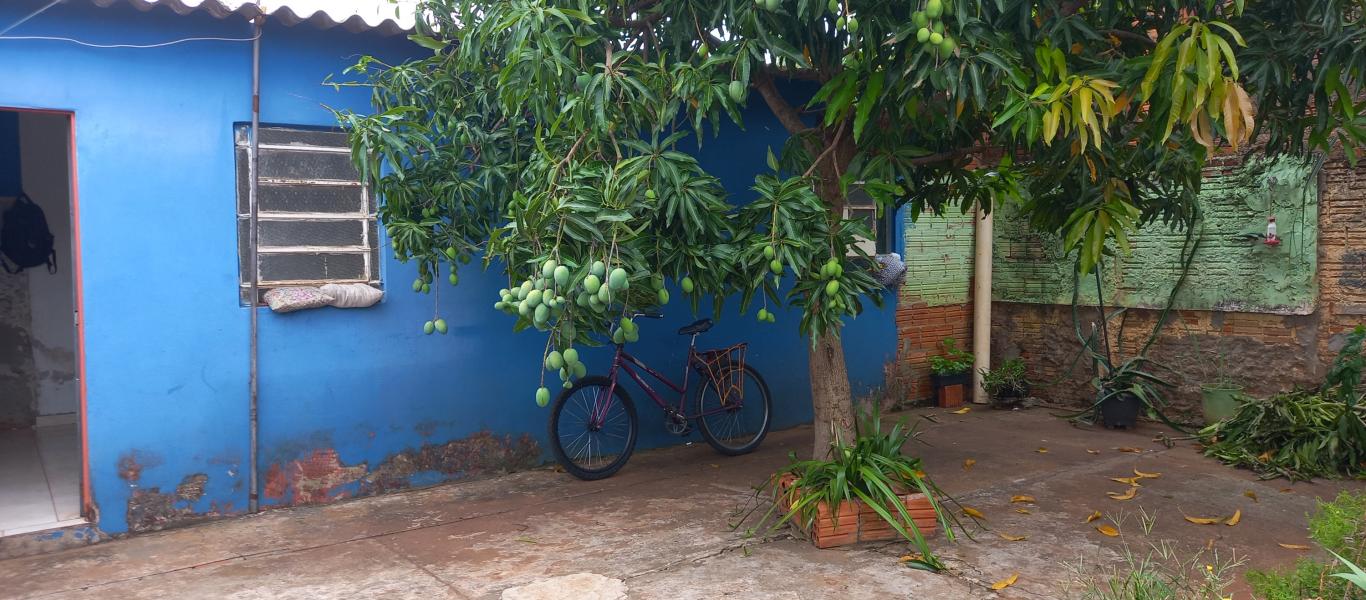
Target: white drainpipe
(981,305)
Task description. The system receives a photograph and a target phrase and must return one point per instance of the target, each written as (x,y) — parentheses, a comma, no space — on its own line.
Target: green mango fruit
(567,384)
(428,327)
(417,284)
(582,81)
(703,51)
(763,314)
(936,39)
(450,253)
(834,6)
(440,326)
(500,305)
(571,356)
(776,266)
(541,315)
(947,47)
(772,5)
(525,290)
(650,193)
(561,275)
(542,397)
(618,279)
(533,298)
(539,284)
(771,317)
(628,324)
(687,285)
(663,296)
(839,23)
(591,284)
(583,299)
(769,252)
(454,279)
(605,295)
(832,288)
(524,309)
(599,269)
(618,337)
(631,336)
(923,35)
(736,90)
(937,27)
(920,19)
(568,332)
(934,8)
(554,360)
(852,24)
(426,288)
(548,268)
(580,369)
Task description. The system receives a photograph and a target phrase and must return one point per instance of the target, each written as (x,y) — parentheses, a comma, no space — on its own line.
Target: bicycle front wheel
(593,433)
(734,410)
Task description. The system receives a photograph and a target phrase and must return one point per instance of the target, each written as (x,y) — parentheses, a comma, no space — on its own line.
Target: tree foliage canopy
(557,132)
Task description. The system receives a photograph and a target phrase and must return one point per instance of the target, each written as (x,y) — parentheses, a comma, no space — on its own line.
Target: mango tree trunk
(830,395)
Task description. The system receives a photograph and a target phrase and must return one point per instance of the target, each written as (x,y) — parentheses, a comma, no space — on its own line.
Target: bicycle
(593,424)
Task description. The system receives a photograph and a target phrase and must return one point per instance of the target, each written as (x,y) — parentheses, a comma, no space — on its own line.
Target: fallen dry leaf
(1293,546)
(963,411)
(910,557)
(1107,530)
(1042,450)
(1233,520)
(1265,456)
(1090,451)
(967,464)
(1287,490)
(1015,499)
(1209,544)
(1129,495)
(1253,495)
(1204,520)
(1093,516)
(1141,475)
(1126,480)
(1129,449)
(1023,511)
(974,513)
(1007,582)
(1012,538)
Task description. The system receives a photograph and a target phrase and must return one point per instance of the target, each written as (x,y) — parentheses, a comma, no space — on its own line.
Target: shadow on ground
(660,527)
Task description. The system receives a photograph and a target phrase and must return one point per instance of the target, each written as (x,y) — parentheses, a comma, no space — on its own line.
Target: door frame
(88,511)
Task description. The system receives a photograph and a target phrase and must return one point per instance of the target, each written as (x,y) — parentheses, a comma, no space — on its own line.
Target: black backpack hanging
(25,239)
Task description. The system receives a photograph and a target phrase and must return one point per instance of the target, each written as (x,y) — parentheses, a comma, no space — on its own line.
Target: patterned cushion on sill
(290,299)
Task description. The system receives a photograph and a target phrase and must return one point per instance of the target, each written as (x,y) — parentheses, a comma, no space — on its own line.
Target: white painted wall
(43,140)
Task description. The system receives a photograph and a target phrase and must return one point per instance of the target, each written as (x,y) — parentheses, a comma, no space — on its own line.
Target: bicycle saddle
(698,326)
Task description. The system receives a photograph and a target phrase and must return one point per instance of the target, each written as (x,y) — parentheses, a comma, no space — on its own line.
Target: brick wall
(934,302)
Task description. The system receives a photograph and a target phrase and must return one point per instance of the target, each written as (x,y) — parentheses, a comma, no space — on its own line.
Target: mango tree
(555,139)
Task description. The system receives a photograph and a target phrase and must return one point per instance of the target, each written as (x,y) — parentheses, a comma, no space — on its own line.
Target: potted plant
(1126,388)
(1006,384)
(951,373)
(865,491)
(1219,398)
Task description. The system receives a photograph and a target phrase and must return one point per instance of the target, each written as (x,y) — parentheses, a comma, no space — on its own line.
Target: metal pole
(253,495)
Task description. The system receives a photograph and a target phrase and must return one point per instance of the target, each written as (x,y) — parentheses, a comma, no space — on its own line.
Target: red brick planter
(858,522)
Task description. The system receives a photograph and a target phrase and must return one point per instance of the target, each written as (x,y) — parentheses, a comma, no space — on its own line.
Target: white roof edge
(354,16)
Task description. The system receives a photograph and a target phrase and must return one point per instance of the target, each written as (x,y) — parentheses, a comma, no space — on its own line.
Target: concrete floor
(660,527)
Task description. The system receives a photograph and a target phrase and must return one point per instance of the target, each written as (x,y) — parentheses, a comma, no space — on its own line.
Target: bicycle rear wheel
(591,433)
(734,410)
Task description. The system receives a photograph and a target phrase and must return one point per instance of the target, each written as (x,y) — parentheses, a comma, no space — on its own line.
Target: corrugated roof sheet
(352,15)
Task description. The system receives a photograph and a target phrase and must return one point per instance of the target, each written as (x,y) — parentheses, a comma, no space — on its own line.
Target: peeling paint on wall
(1233,269)
(150,510)
(322,476)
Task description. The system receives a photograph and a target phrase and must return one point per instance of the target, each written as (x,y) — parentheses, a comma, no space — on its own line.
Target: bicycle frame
(624,361)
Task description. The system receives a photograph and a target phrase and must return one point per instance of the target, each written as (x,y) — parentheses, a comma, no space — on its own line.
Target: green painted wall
(938,255)
(1231,272)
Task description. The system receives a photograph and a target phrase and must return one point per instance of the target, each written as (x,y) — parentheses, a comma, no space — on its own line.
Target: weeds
(1340,527)
(1154,570)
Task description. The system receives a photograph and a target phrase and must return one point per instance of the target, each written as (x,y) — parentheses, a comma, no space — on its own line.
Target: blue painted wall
(166,339)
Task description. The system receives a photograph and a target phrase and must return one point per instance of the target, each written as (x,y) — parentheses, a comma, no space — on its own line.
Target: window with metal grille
(859,205)
(316,221)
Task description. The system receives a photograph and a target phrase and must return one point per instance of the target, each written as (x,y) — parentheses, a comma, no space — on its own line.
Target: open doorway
(40,399)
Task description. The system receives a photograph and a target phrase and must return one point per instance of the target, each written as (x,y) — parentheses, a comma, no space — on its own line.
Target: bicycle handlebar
(652,315)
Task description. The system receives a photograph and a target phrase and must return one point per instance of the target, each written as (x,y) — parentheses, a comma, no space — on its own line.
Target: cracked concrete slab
(662,527)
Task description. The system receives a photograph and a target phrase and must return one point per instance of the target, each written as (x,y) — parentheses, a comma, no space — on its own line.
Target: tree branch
(786,113)
(802,74)
(951,154)
(1131,36)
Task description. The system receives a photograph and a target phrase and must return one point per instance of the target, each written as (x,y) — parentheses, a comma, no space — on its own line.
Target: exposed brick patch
(151,510)
(480,455)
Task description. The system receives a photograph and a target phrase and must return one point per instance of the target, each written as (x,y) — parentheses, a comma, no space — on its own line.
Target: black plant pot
(945,395)
(1120,411)
(964,378)
(1010,397)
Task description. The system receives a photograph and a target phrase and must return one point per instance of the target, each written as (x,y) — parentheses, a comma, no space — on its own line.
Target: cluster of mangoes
(542,297)
(567,365)
(930,30)
(848,23)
